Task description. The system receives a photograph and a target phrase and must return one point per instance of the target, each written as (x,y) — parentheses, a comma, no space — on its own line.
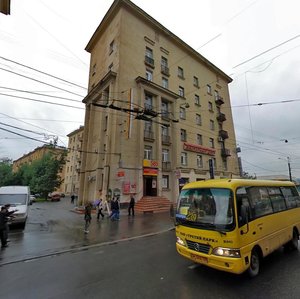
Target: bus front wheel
(253,270)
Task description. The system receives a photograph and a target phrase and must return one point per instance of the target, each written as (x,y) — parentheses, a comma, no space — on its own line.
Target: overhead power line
(266,51)
(44,73)
(39,81)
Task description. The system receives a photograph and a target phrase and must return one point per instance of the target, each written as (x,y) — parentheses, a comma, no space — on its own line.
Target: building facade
(157,112)
(73,161)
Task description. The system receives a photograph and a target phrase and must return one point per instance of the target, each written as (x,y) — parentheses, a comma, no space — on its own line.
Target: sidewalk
(68,236)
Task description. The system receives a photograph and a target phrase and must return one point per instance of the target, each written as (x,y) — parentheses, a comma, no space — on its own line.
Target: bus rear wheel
(253,270)
(294,242)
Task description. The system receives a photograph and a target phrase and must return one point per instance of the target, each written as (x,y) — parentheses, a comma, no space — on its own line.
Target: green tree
(44,174)
(6,174)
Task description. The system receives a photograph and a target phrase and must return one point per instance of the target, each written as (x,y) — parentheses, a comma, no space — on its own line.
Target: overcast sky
(257,43)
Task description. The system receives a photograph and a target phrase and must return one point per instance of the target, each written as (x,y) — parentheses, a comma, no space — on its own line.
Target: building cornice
(118,4)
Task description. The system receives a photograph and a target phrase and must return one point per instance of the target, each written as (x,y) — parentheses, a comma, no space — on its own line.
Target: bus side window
(242,200)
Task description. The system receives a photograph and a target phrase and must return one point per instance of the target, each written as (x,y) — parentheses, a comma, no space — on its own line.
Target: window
(164,131)
(148,101)
(212,125)
(149,57)
(180,72)
(183,135)
(211,143)
(165,155)
(196,81)
(183,159)
(277,199)
(110,66)
(105,123)
(225,166)
(148,126)
(165,182)
(182,113)
(164,66)
(197,100)
(149,75)
(199,139)
(259,201)
(149,53)
(198,120)
(216,95)
(111,47)
(94,70)
(148,152)
(210,106)
(164,109)
(165,83)
(291,197)
(199,161)
(164,62)
(181,91)
(208,87)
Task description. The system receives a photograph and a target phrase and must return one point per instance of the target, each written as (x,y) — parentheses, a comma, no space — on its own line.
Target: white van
(19,198)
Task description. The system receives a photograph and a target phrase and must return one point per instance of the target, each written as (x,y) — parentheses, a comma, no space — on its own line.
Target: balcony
(225,152)
(223,134)
(166,166)
(165,140)
(149,61)
(165,70)
(148,135)
(221,117)
(219,101)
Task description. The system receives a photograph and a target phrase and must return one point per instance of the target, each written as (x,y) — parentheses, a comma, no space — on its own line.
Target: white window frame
(165,182)
(148,152)
(199,161)
(165,83)
(149,75)
(198,120)
(183,159)
(165,155)
(197,99)
(183,136)
(199,139)
(181,91)
(182,113)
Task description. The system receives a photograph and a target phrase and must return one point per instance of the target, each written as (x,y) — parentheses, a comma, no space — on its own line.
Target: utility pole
(289,166)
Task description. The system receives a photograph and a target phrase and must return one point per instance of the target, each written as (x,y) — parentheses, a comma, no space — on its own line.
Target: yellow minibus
(231,224)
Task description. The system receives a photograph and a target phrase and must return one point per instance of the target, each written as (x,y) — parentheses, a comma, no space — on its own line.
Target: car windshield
(13,199)
(207,207)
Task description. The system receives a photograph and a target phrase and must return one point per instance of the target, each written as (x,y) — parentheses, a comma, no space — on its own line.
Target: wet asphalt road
(54,227)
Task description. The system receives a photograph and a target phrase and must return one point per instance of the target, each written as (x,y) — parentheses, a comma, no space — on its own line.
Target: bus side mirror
(244,215)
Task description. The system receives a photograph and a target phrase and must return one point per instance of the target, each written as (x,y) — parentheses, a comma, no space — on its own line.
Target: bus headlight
(180,241)
(226,252)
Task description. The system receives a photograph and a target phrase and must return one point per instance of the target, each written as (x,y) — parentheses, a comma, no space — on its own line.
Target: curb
(81,248)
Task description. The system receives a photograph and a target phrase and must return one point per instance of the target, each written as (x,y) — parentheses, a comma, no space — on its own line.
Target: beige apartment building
(73,161)
(157,112)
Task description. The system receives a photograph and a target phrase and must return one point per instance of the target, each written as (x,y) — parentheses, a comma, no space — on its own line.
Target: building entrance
(150,186)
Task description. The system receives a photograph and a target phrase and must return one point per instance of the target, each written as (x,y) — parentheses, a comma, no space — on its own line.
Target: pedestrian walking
(115,209)
(87,217)
(99,209)
(131,206)
(72,198)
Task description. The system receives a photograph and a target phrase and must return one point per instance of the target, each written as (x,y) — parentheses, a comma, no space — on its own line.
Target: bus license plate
(199,258)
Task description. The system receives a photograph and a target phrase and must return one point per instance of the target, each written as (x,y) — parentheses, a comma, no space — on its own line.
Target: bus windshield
(206,207)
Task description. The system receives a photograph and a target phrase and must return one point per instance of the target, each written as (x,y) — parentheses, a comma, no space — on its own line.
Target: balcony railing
(165,140)
(166,166)
(225,152)
(219,101)
(148,135)
(149,61)
(165,70)
(223,134)
(221,117)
